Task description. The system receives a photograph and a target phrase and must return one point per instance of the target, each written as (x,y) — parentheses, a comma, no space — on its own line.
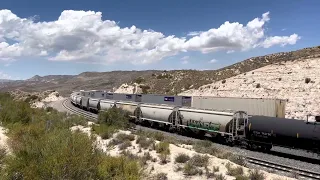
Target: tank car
(128,106)
(106,104)
(291,133)
(94,99)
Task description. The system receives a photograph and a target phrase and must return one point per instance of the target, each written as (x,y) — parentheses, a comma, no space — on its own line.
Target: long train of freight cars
(253,106)
(232,127)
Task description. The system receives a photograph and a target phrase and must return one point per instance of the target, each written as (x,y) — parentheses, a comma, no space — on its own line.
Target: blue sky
(69,46)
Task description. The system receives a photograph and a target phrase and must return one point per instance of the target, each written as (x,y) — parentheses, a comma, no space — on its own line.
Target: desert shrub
(182,158)
(31,98)
(242,177)
(238,171)
(144,89)
(125,137)
(144,142)
(215,168)
(256,175)
(190,170)
(158,136)
(163,147)
(114,142)
(139,80)
(307,80)
(160,176)
(2,155)
(118,168)
(258,85)
(199,160)
(279,79)
(238,159)
(223,81)
(146,157)
(164,158)
(114,117)
(125,145)
(43,146)
(105,131)
(129,155)
(220,177)
(206,147)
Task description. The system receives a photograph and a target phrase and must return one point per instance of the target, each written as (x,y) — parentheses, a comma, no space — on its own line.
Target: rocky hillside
(173,82)
(160,82)
(297,81)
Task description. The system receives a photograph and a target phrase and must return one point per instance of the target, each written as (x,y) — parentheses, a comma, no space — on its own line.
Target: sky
(69,37)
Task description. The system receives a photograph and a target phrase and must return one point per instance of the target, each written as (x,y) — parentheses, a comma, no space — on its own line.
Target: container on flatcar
(253,106)
(166,99)
(123,97)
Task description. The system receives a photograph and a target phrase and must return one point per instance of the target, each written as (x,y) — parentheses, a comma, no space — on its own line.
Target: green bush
(44,147)
(182,158)
(160,176)
(256,175)
(124,145)
(199,160)
(125,137)
(190,170)
(144,142)
(163,147)
(114,117)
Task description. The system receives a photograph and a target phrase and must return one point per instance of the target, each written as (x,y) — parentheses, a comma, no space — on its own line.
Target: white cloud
(213,61)
(4,76)
(230,51)
(185,62)
(185,57)
(283,29)
(280,40)
(83,36)
(194,33)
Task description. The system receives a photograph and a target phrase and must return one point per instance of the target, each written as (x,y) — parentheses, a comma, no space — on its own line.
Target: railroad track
(251,160)
(279,167)
(90,116)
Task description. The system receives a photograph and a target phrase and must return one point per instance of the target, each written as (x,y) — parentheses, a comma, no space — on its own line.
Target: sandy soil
(52,97)
(170,167)
(3,138)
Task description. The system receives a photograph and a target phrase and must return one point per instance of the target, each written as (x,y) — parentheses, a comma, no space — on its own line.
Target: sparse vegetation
(160,176)
(220,177)
(190,170)
(125,137)
(125,145)
(238,171)
(223,81)
(199,160)
(307,80)
(144,142)
(43,145)
(182,158)
(163,147)
(139,80)
(258,85)
(256,175)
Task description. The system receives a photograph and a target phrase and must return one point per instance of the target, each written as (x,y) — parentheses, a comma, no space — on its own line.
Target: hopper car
(230,127)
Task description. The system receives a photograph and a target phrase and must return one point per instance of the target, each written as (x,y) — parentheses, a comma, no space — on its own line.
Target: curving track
(274,166)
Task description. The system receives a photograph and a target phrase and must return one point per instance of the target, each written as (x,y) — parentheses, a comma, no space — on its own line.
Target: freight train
(231,127)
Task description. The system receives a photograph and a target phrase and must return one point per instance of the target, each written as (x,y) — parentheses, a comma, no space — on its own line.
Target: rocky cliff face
(298,81)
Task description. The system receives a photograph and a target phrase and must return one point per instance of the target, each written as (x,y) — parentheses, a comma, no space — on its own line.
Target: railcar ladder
(238,124)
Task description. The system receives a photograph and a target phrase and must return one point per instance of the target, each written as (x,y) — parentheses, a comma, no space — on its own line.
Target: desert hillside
(152,81)
(297,81)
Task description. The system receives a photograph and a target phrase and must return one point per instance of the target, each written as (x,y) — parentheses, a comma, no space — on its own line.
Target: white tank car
(212,120)
(78,99)
(106,104)
(156,113)
(93,103)
(127,106)
(85,102)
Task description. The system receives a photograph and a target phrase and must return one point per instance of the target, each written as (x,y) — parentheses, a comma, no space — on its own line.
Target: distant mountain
(50,78)
(5,80)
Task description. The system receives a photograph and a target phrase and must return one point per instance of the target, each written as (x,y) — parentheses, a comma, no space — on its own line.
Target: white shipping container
(253,106)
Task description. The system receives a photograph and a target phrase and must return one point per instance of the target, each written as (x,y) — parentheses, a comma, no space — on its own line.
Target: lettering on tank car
(203,125)
(171,99)
(128,96)
(262,134)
